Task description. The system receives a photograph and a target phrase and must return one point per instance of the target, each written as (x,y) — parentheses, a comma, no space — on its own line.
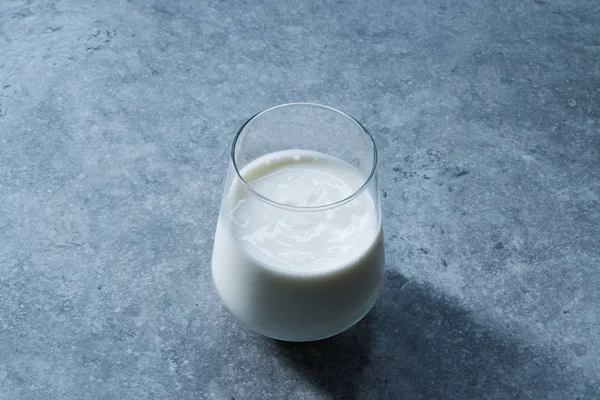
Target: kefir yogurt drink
(298,251)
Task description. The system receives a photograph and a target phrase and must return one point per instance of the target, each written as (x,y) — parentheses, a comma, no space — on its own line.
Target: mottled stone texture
(115,124)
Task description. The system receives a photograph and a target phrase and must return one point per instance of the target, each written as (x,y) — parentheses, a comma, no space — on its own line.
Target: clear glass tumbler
(298,252)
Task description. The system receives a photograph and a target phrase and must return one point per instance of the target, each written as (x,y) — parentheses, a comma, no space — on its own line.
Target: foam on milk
(302,241)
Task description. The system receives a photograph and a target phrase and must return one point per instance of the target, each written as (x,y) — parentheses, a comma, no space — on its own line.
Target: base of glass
(370,303)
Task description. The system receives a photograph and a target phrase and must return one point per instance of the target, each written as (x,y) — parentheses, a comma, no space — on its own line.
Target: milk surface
(298,275)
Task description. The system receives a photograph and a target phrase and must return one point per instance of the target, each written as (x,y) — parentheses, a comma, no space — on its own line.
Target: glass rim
(338,203)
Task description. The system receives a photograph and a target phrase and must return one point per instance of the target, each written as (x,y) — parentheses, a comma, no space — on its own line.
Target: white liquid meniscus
(298,275)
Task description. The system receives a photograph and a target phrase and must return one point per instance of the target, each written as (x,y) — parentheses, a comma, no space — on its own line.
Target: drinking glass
(298,251)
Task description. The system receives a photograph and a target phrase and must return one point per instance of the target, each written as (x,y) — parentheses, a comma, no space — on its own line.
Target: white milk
(297,275)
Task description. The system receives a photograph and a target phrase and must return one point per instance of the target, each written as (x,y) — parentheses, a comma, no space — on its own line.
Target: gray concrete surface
(115,123)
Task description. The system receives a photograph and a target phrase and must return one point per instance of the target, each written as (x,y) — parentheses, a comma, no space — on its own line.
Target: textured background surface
(115,123)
